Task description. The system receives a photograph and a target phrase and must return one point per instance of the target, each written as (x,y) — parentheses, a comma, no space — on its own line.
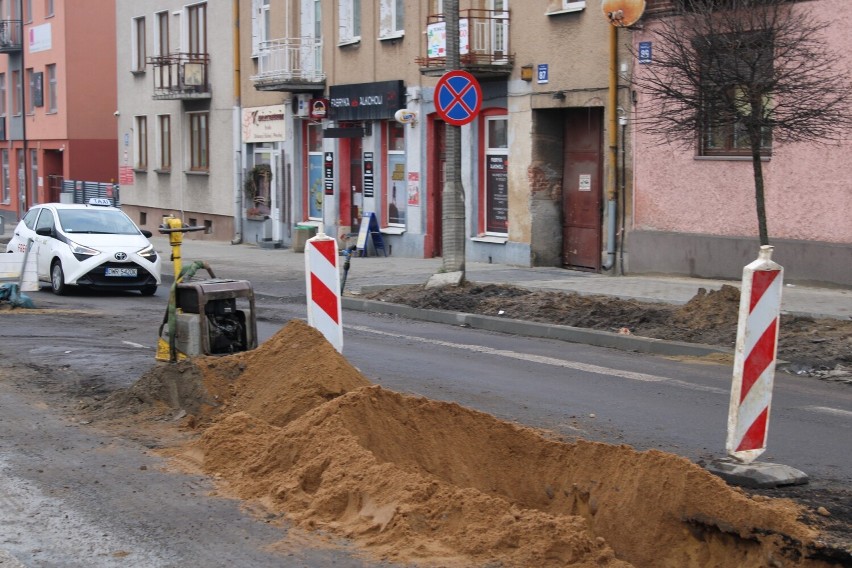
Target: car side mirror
(147,234)
(44,231)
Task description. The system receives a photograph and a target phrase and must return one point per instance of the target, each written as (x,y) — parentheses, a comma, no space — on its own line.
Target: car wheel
(57,279)
(148,290)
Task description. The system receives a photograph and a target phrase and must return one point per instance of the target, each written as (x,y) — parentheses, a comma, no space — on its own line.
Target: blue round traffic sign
(458,97)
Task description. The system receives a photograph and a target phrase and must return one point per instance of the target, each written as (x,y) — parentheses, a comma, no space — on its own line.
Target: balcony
(10,36)
(181,76)
(291,64)
(483,44)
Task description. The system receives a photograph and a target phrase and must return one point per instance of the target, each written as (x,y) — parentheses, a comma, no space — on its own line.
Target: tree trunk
(453,214)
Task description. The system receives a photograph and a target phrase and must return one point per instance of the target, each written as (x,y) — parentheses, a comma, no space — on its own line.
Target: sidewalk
(240,261)
(243,260)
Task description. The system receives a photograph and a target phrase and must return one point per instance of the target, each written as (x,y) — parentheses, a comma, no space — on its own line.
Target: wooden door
(582,187)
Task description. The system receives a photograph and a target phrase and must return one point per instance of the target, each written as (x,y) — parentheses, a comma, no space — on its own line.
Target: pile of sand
(294,426)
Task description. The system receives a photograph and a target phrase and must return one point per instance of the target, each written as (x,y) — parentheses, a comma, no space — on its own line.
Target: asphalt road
(73,496)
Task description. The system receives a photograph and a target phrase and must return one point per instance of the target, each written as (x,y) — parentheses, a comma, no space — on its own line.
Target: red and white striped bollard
(322,280)
(754,357)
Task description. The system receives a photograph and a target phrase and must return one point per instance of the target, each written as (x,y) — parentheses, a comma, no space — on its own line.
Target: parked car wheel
(148,290)
(57,279)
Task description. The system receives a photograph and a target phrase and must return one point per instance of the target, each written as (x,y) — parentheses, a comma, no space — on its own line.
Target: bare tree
(744,75)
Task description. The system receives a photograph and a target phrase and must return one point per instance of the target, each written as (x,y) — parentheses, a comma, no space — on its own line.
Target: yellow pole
(612,112)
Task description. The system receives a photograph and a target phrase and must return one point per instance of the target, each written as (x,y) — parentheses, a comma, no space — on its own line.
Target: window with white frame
(496,166)
(164,142)
(6,189)
(392,19)
(31,88)
(199,141)
(395,188)
(49,9)
(16,93)
(314,171)
(261,21)
(138,35)
(349,18)
(51,88)
(140,150)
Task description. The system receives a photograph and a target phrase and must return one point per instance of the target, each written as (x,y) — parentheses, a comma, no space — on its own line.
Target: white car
(94,246)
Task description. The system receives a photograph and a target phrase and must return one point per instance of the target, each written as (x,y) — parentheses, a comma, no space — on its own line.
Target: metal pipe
(612,169)
(238,178)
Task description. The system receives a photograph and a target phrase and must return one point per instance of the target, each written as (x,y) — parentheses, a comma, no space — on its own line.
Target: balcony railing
(10,36)
(181,76)
(290,64)
(483,44)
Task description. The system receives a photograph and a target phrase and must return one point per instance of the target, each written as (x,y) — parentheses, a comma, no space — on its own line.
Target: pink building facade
(57,99)
(695,215)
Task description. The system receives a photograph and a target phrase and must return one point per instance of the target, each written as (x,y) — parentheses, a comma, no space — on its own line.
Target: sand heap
(297,428)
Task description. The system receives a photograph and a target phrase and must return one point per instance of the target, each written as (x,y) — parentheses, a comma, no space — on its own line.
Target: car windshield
(96,221)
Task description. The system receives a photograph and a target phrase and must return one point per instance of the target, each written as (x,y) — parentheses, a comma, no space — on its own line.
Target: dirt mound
(413,479)
(808,346)
(294,426)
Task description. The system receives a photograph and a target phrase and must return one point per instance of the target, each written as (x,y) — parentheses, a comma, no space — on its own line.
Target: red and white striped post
(754,357)
(323,285)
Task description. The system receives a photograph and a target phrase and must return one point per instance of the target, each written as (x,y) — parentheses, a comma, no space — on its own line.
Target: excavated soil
(294,427)
(806,346)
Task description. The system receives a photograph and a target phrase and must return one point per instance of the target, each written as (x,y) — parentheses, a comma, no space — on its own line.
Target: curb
(541,330)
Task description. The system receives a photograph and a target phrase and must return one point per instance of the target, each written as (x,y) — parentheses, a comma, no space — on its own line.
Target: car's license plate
(121,272)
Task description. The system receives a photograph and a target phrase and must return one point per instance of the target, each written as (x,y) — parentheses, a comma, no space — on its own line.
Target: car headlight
(148,253)
(82,253)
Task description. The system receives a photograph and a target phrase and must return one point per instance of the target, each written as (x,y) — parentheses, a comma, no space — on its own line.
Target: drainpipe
(612,129)
(238,178)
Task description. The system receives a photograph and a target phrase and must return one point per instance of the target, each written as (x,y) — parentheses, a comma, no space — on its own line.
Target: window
(349,15)
(138,34)
(436,7)
(6,188)
(2,94)
(734,70)
(199,139)
(49,9)
(164,124)
(197,29)
(51,88)
(28,11)
(313,150)
(141,149)
(162,33)
(392,15)
(31,87)
(33,177)
(16,93)
(260,24)
(494,169)
(395,187)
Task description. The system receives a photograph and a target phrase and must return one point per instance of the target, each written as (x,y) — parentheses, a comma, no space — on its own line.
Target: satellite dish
(623,13)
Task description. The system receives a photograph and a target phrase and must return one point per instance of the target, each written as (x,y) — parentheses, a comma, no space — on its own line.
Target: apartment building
(57,99)
(178,113)
(361,135)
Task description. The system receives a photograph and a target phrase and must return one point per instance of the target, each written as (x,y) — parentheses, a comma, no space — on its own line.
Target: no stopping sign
(458,97)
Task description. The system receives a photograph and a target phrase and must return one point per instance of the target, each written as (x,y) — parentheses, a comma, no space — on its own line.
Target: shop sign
(366,101)
(263,124)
